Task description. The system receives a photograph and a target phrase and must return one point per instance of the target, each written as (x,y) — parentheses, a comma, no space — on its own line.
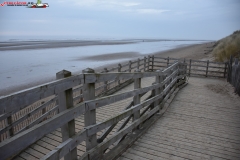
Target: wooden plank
(28,156)
(134,156)
(136,98)
(95,128)
(101,77)
(197,139)
(133,137)
(143,155)
(118,97)
(66,146)
(172,151)
(90,115)
(34,152)
(24,139)
(65,100)
(19,100)
(185,124)
(38,120)
(148,63)
(210,122)
(114,138)
(152,154)
(114,98)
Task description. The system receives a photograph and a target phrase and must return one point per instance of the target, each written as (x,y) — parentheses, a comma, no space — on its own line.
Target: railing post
(136,99)
(230,70)
(81,93)
(145,63)
(130,66)
(43,111)
(152,62)
(207,68)
(190,65)
(167,62)
(162,78)
(105,82)
(149,63)
(225,70)
(138,63)
(65,100)
(89,116)
(10,121)
(158,80)
(119,70)
(185,77)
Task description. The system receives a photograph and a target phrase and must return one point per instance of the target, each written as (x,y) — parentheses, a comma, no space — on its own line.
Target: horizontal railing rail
(28,135)
(19,111)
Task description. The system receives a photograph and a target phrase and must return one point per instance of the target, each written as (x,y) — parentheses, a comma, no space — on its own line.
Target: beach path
(202,122)
(52,140)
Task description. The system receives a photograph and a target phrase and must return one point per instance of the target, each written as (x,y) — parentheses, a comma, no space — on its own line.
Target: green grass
(227,46)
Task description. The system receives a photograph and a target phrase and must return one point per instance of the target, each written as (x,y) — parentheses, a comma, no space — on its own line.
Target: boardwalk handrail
(91,130)
(17,112)
(196,67)
(22,140)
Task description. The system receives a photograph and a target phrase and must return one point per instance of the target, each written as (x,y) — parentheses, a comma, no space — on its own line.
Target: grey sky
(178,19)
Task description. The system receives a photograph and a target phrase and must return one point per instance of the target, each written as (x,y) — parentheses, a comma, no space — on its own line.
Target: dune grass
(227,46)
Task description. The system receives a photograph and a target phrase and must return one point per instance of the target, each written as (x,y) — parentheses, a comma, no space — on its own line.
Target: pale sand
(197,51)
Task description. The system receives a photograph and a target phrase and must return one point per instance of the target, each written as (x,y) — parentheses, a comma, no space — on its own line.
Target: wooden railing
(62,91)
(30,114)
(196,67)
(16,120)
(233,76)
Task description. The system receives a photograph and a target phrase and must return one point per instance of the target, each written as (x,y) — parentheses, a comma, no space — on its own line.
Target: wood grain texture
(199,124)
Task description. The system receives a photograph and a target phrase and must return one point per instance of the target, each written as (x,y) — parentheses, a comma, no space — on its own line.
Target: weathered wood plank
(136,98)
(66,146)
(198,140)
(101,147)
(101,77)
(24,139)
(114,98)
(65,100)
(95,128)
(90,115)
(19,100)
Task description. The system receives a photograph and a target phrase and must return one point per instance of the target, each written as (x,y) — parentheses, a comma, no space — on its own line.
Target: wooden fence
(196,67)
(233,76)
(17,120)
(30,114)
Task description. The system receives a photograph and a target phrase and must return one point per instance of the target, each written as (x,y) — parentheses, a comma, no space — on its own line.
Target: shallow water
(21,67)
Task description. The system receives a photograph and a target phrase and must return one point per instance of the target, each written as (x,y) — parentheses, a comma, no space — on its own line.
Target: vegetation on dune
(227,46)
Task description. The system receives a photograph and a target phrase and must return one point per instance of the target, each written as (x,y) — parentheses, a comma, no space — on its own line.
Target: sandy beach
(196,51)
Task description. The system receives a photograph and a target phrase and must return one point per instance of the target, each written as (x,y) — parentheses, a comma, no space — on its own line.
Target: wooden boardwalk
(52,140)
(203,122)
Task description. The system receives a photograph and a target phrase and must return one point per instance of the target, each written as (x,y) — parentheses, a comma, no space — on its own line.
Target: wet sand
(25,45)
(196,51)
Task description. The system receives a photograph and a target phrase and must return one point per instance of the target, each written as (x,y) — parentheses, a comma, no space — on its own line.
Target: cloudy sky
(174,19)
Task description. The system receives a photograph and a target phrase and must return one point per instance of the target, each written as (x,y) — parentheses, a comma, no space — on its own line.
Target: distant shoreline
(31,45)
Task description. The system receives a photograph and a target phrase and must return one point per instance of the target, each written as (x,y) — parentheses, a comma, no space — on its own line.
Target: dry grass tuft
(227,46)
